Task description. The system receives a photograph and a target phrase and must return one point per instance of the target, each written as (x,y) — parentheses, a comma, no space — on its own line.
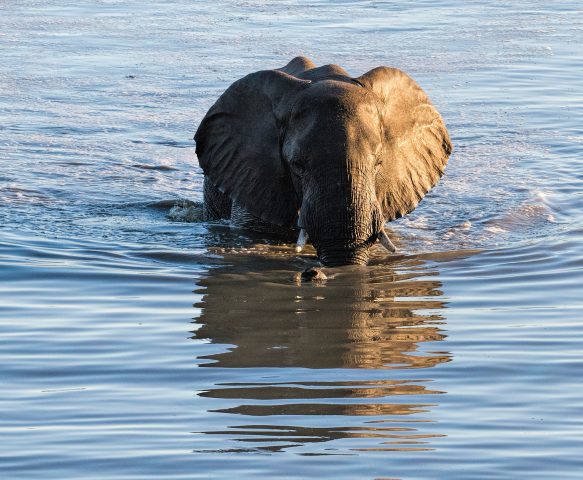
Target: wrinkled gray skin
(313,148)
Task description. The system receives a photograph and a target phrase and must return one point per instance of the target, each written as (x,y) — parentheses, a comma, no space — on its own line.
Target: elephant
(314,152)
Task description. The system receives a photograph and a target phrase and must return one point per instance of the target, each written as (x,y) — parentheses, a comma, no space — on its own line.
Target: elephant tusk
(302,239)
(386,241)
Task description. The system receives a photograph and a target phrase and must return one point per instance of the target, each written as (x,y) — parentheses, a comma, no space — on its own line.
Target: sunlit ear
(237,144)
(416,142)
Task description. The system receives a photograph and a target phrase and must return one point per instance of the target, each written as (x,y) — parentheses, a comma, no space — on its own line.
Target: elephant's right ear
(237,144)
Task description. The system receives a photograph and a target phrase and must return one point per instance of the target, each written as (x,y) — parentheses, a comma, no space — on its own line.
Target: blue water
(137,346)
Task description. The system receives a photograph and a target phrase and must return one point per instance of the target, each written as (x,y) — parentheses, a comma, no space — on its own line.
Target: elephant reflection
(362,318)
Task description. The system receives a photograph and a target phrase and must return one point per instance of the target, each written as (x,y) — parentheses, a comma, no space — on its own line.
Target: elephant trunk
(342,231)
(334,257)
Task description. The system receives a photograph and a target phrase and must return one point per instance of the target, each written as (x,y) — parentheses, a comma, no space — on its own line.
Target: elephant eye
(298,166)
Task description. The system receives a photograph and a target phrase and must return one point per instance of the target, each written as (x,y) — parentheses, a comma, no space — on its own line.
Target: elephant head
(315,149)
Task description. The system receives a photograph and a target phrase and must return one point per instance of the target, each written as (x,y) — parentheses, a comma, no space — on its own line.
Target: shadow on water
(346,362)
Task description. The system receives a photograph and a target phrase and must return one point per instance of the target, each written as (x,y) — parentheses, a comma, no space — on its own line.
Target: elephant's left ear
(416,146)
(237,144)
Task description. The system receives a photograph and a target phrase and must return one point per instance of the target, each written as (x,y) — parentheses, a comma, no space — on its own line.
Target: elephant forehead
(331,96)
(338,110)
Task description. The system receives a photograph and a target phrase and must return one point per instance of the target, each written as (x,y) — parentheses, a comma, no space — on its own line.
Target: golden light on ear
(417,144)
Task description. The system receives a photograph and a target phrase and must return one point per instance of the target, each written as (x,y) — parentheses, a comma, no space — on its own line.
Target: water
(134,346)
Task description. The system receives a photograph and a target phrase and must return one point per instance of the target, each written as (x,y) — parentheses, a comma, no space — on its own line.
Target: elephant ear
(237,144)
(417,145)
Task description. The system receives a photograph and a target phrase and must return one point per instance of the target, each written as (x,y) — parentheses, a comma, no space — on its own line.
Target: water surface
(136,346)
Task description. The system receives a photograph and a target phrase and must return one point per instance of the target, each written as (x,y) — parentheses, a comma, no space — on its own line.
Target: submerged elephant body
(315,150)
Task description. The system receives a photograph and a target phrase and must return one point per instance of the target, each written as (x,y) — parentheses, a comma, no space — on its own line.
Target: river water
(137,346)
